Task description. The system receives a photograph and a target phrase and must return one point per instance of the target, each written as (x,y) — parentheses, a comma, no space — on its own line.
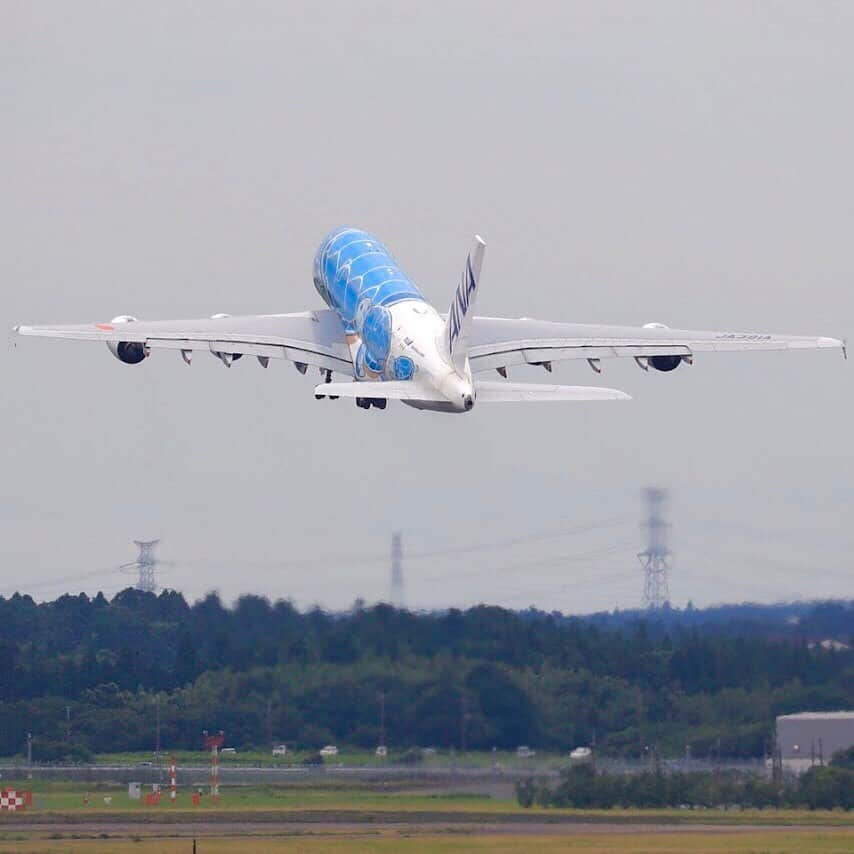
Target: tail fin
(460,313)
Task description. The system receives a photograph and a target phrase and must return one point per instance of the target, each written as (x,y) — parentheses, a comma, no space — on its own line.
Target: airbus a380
(380,332)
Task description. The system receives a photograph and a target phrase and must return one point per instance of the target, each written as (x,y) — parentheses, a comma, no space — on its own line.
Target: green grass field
(69,797)
(417,822)
(64,797)
(351,758)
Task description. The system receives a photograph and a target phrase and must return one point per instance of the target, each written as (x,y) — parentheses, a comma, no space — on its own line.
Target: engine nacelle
(662,363)
(129,352)
(665,363)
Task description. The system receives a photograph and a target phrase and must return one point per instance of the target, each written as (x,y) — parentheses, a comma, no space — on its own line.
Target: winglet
(460,312)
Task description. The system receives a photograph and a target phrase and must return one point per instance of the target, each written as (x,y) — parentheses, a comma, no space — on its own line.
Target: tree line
(583,788)
(87,675)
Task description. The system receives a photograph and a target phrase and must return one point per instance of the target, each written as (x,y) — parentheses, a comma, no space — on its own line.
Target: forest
(85,674)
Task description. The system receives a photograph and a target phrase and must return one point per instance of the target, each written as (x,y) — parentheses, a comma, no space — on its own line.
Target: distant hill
(706,680)
(811,620)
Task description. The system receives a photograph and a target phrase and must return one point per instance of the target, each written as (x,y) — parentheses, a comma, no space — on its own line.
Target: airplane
(381,333)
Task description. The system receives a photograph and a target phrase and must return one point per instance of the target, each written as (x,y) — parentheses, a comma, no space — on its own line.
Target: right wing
(499,342)
(308,338)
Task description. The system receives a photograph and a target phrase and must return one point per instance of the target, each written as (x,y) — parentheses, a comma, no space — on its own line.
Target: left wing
(307,338)
(498,342)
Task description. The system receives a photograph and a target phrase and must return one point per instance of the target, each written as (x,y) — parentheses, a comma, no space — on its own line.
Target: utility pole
(68,723)
(655,560)
(29,756)
(382,718)
(157,727)
(397,570)
(776,760)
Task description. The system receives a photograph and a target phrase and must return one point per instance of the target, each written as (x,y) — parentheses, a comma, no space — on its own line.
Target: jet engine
(665,363)
(662,363)
(129,352)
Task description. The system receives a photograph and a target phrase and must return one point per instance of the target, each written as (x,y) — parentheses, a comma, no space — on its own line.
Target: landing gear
(327,378)
(368,402)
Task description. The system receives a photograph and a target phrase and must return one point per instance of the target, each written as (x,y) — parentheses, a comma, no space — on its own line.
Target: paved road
(398,828)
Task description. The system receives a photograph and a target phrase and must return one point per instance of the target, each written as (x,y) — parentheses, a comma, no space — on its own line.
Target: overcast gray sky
(688,163)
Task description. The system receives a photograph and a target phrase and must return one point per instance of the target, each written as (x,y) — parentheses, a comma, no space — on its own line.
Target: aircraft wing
(306,338)
(498,342)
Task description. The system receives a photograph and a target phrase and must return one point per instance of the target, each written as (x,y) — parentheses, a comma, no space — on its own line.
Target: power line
(621,577)
(800,567)
(69,579)
(789,535)
(539,563)
(712,579)
(427,554)
(525,539)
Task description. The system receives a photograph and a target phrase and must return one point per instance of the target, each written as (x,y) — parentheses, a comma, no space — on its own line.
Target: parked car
(581,756)
(329,750)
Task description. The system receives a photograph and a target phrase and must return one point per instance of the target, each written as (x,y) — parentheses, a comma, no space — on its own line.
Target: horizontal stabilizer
(497,391)
(406,390)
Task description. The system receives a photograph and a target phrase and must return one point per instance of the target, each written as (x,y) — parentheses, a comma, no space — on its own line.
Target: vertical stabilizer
(460,313)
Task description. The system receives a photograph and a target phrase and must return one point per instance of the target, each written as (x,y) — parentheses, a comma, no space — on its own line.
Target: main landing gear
(361,402)
(368,402)
(328,379)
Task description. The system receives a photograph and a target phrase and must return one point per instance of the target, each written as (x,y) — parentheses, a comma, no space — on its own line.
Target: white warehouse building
(811,738)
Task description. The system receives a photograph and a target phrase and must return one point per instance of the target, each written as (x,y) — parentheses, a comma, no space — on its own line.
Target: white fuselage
(392,332)
(416,333)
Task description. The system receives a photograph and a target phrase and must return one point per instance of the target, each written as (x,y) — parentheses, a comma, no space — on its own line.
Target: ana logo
(460,305)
